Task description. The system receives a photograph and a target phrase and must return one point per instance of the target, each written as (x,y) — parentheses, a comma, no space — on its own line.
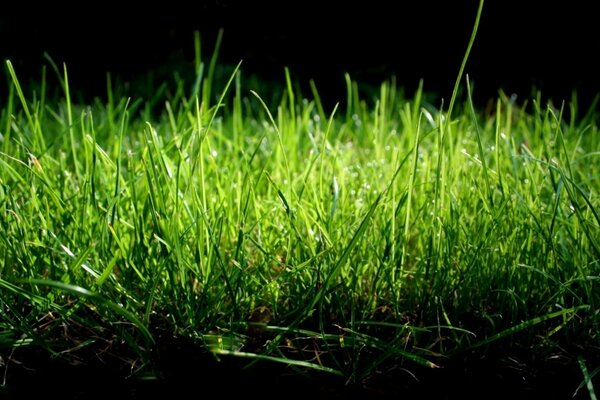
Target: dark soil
(183,370)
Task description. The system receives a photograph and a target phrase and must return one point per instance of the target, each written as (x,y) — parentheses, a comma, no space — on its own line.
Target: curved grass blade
(282,360)
(525,325)
(388,349)
(83,292)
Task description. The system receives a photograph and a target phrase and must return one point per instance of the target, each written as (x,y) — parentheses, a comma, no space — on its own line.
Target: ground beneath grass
(184,370)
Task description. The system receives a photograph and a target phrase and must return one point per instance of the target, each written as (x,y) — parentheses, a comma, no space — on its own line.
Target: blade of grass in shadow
(389,349)
(32,297)
(587,379)
(524,325)
(85,293)
(282,360)
(553,279)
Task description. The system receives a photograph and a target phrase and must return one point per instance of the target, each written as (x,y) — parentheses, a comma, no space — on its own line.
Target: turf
(385,232)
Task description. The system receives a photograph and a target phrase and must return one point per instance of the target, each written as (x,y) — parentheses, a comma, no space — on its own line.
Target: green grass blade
(587,379)
(282,360)
(85,293)
(526,325)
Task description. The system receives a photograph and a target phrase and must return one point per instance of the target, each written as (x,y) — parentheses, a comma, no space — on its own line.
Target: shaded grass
(342,242)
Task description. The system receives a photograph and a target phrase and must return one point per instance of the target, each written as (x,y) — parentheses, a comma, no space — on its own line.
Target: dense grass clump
(382,232)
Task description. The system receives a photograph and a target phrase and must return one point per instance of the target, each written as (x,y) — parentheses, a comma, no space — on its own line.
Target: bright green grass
(336,240)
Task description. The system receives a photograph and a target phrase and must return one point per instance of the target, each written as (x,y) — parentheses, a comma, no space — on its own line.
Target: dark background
(521,45)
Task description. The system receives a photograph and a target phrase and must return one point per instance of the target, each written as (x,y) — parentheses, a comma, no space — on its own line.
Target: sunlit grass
(382,231)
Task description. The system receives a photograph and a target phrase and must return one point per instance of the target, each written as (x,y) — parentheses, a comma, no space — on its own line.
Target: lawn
(388,232)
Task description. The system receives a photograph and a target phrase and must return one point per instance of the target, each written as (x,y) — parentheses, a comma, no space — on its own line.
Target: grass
(386,231)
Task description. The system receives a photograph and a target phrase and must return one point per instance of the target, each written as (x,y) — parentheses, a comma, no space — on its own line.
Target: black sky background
(520,45)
